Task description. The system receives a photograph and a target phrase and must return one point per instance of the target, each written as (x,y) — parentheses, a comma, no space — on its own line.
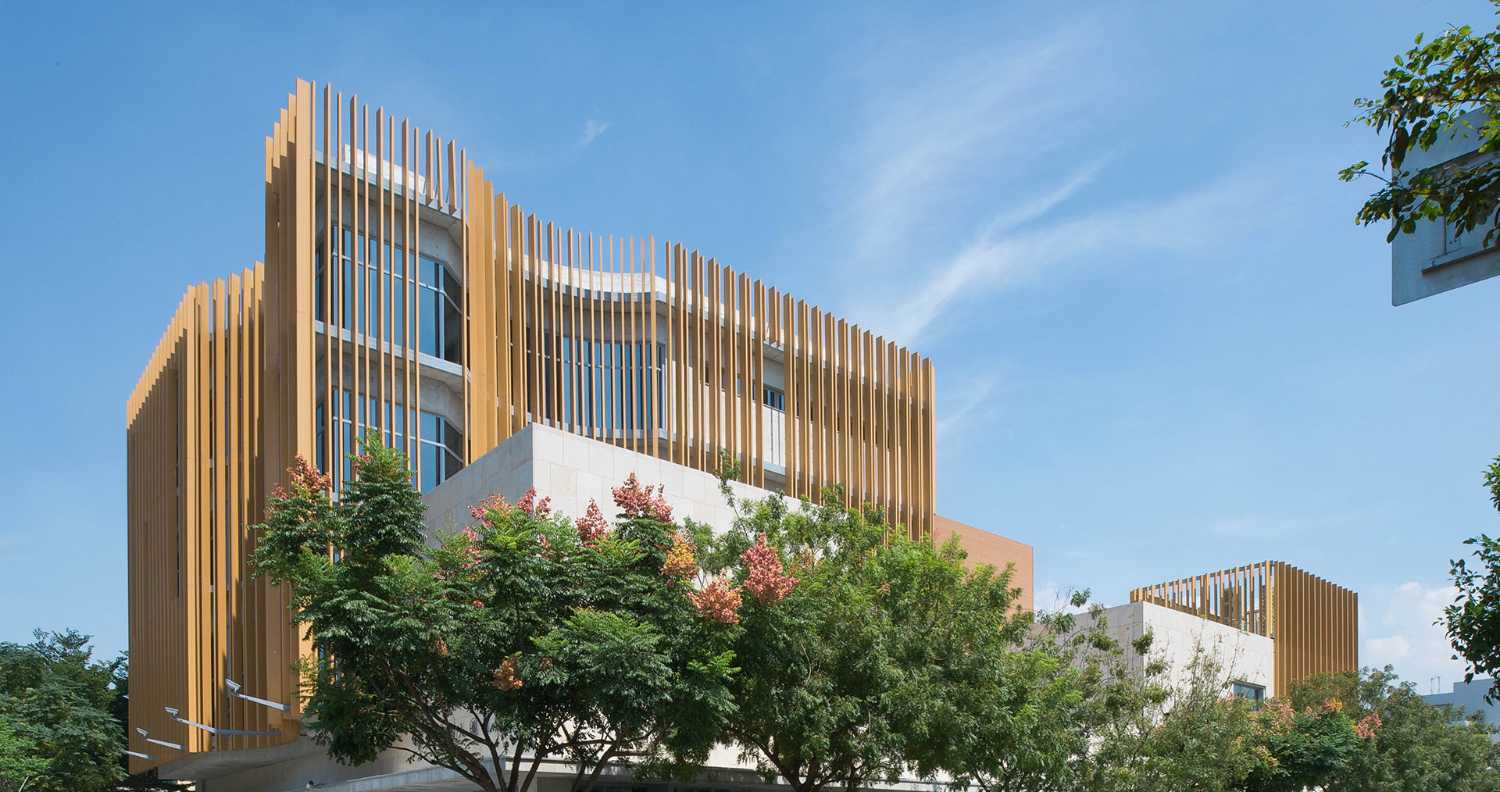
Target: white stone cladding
(1176,636)
(571,470)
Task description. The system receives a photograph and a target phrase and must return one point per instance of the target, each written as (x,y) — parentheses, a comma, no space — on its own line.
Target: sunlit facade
(402,297)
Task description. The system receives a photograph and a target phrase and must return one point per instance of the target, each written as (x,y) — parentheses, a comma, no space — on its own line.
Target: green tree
(1427,96)
(1473,620)
(1163,736)
(55,723)
(862,650)
(1025,714)
(815,692)
(22,765)
(523,639)
(1155,733)
(1405,743)
(1293,749)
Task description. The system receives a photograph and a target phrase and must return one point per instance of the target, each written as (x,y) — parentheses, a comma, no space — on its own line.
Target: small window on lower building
(1249,692)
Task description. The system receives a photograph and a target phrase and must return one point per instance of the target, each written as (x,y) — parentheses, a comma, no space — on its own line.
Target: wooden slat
(654,382)
(858,412)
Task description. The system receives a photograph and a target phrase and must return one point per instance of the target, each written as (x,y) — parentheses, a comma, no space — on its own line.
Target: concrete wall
(1430,260)
(572,470)
(1176,636)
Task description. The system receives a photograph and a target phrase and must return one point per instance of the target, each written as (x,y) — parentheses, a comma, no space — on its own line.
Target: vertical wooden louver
(1314,623)
(648,345)
(195,425)
(859,408)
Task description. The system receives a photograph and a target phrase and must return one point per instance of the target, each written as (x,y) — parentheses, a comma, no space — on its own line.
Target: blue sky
(1162,346)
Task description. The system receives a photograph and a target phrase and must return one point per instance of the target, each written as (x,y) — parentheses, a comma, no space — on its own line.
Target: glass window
(1247,691)
(450,285)
(775,398)
(438,311)
(441,451)
(429,319)
(398,310)
(346,284)
(320,287)
(628,391)
(452,438)
(452,335)
(322,436)
(432,466)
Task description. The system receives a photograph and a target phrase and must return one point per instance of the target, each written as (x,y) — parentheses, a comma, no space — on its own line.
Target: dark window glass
(320,288)
(346,319)
(349,450)
(452,335)
(322,436)
(628,389)
(398,311)
(452,437)
(429,315)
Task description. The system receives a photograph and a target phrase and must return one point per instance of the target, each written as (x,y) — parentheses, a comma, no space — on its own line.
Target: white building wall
(1176,637)
(1430,260)
(572,470)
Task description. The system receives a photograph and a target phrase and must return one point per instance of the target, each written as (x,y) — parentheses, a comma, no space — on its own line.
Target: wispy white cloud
(1015,247)
(924,135)
(948,165)
(1405,635)
(592,129)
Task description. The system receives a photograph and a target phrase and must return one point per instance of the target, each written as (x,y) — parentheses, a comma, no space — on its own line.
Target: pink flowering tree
(1399,740)
(835,609)
(521,638)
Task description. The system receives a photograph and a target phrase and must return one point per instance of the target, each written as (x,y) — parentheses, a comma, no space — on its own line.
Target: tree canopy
(868,656)
(1473,619)
(522,639)
(57,732)
(1405,742)
(829,647)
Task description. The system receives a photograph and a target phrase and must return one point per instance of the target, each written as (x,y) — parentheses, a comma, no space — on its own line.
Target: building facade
(1466,700)
(1311,625)
(1433,258)
(403,297)
(1245,660)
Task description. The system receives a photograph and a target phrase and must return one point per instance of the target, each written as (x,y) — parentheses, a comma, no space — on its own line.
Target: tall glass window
(441,451)
(391,284)
(438,311)
(774,398)
(605,386)
(440,448)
